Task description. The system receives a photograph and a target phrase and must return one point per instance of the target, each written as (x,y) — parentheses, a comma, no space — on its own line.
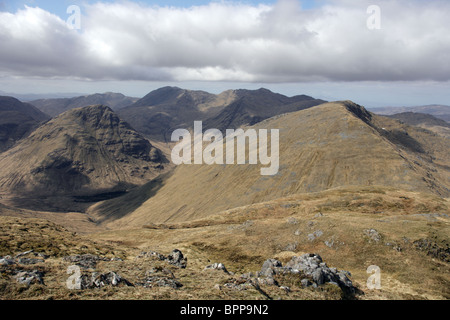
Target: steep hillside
(53,107)
(83,151)
(17,120)
(324,147)
(162,111)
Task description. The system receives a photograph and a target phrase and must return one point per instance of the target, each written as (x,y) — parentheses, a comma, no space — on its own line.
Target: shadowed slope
(17,121)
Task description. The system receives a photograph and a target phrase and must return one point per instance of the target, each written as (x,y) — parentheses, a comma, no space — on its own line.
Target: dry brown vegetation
(243,238)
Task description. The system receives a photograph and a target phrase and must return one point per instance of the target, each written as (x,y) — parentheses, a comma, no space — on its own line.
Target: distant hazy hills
(53,107)
(328,146)
(162,111)
(439,111)
(82,151)
(426,121)
(17,120)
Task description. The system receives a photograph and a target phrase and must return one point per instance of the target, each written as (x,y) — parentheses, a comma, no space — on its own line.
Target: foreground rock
(309,268)
(217,266)
(24,258)
(312,266)
(95,280)
(177,259)
(86,261)
(30,277)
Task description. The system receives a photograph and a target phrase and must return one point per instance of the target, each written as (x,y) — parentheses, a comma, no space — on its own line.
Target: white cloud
(232,42)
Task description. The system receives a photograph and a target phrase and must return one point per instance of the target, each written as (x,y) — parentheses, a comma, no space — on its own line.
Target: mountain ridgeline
(162,111)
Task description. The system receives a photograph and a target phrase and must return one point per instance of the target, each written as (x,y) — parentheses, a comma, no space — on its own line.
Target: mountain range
(353,187)
(163,110)
(329,146)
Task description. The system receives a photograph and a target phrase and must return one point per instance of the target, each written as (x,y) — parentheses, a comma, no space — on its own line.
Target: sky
(374,52)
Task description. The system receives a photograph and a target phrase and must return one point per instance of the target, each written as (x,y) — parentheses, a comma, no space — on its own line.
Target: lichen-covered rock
(373,235)
(6,261)
(30,277)
(177,259)
(269,267)
(108,279)
(217,266)
(86,261)
(311,267)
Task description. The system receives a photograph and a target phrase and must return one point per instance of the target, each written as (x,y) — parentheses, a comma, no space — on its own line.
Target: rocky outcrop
(24,258)
(433,249)
(159,277)
(175,258)
(30,277)
(217,266)
(86,261)
(90,272)
(314,268)
(373,235)
(309,268)
(96,280)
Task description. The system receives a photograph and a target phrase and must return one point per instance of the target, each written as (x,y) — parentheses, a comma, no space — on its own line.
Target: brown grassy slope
(243,238)
(328,146)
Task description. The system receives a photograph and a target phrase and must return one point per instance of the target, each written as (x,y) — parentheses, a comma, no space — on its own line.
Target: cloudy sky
(330,49)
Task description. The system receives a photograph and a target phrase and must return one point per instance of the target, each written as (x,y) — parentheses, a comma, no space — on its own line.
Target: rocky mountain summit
(83,151)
